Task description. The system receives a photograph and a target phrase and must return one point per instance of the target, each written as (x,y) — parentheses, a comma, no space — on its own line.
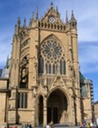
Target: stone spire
(73,21)
(32,16)
(66,17)
(18,22)
(72,16)
(51,4)
(37,13)
(17,26)
(24,22)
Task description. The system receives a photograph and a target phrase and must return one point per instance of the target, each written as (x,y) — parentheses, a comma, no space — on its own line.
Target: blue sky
(86,13)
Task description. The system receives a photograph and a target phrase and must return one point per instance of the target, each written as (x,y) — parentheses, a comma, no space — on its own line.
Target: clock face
(51,19)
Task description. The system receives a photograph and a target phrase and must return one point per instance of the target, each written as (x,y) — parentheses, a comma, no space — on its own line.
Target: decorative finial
(37,13)
(51,4)
(72,15)
(24,22)
(18,22)
(66,17)
(33,16)
(17,26)
(73,21)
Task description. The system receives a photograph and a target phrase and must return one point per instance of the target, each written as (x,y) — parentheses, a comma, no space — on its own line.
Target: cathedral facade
(44,79)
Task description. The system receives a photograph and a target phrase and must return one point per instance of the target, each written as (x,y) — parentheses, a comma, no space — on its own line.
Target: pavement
(61,126)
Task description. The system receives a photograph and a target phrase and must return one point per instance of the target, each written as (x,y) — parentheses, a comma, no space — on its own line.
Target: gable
(52,16)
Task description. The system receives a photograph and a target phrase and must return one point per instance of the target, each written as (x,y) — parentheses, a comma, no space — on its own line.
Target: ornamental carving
(58,81)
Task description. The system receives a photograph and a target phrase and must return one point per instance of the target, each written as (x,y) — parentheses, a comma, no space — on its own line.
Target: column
(45,112)
(73,111)
(33,113)
(78,107)
(71,107)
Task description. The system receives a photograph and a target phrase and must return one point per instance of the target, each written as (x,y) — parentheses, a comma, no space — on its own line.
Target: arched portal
(57,106)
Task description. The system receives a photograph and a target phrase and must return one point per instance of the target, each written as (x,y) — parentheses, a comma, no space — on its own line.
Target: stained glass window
(62,66)
(41,65)
(53,57)
(51,49)
(22,100)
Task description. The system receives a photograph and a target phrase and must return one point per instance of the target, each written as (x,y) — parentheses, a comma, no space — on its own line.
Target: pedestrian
(84,125)
(81,125)
(47,126)
(88,125)
(30,126)
(51,124)
(27,126)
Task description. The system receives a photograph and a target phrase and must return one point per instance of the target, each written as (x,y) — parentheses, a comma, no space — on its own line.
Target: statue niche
(24,77)
(24,73)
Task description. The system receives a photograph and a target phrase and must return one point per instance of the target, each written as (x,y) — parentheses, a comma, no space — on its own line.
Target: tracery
(51,58)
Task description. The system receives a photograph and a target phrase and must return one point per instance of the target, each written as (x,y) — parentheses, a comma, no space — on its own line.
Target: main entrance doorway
(56,107)
(53,114)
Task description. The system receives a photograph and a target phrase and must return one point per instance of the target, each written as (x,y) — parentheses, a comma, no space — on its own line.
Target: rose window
(51,58)
(51,49)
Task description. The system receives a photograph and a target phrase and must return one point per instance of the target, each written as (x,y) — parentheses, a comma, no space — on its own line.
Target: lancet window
(62,66)
(41,65)
(22,100)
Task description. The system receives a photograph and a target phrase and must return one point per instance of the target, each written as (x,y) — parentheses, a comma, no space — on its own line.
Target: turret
(17,26)
(73,21)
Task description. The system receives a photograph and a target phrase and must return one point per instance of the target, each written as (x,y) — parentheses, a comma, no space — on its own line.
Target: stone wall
(3,101)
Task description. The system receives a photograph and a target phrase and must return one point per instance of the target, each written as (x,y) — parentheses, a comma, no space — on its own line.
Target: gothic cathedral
(44,78)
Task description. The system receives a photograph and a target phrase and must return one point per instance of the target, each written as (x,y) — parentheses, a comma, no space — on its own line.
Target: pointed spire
(15,28)
(24,22)
(66,17)
(37,13)
(32,16)
(18,22)
(73,21)
(51,4)
(72,15)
